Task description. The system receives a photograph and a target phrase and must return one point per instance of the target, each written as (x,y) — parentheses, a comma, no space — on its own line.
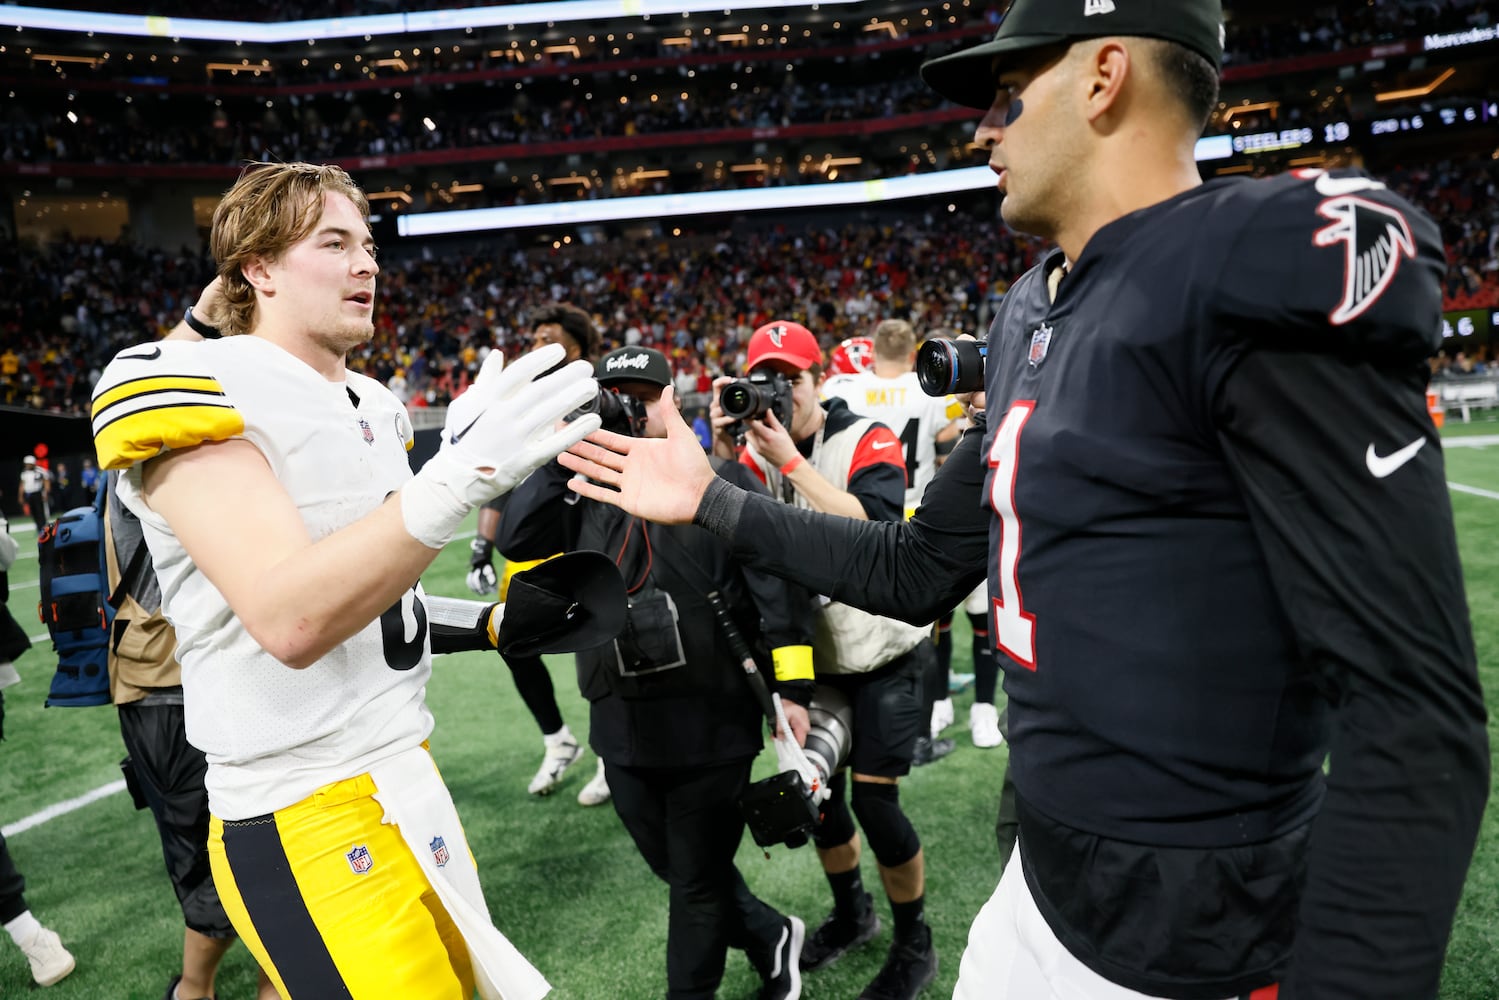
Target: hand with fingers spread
(659,479)
(496,433)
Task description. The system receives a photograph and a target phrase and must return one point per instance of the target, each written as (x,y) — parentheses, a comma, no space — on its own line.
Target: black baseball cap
(967,77)
(634,364)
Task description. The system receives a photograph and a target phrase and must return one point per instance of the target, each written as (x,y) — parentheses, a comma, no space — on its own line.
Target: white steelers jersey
(272,735)
(915,417)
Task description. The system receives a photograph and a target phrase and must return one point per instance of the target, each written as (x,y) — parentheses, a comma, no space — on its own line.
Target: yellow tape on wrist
(793,663)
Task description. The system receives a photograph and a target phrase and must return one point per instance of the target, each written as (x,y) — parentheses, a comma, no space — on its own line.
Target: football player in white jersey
(334,844)
(888,391)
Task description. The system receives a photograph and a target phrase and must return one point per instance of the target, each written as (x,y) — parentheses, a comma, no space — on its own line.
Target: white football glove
(504,423)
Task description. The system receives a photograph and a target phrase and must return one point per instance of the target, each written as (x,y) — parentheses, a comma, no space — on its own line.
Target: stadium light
(319,29)
(665,206)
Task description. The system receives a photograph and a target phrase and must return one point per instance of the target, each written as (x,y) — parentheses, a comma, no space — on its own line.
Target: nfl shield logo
(1040,340)
(439,851)
(369,435)
(360,860)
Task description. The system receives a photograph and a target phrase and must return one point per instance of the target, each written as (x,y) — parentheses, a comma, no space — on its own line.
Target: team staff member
(830,460)
(565,324)
(303,686)
(34,492)
(670,711)
(1218,537)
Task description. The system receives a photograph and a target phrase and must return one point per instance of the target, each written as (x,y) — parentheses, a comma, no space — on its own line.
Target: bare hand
(659,479)
(797,719)
(771,440)
(724,445)
(211,305)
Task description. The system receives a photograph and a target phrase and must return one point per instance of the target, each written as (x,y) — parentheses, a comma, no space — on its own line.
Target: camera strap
(664,543)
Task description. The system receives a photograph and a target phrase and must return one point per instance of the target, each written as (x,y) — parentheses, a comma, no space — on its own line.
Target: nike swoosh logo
(150,355)
(458,435)
(1383,465)
(883,444)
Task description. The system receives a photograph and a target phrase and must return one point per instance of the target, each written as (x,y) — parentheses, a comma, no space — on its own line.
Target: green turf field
(564,882)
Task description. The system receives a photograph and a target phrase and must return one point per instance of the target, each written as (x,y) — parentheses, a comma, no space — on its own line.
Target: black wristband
(199,327)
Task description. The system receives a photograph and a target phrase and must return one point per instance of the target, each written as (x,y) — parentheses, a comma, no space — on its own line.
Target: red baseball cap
(783,340)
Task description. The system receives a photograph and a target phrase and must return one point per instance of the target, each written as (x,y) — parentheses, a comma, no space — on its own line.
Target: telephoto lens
(947,366)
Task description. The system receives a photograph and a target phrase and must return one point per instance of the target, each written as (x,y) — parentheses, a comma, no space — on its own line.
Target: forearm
(297,598)
(310,600)
(823,495)
(913,570)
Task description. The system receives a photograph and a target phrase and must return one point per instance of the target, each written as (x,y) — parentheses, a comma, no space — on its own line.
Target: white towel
(418,803)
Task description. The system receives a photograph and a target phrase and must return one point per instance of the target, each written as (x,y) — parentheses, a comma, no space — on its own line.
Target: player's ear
(1105,67)
(257,272)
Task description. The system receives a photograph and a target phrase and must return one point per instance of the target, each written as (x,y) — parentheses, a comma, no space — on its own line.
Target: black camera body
(618,412)
(779,809)
(753,396)
(947,366)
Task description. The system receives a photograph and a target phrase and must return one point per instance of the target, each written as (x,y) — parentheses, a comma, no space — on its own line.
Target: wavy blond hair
(269,209)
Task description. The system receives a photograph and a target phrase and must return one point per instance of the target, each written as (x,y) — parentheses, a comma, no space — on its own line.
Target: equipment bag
(76,604)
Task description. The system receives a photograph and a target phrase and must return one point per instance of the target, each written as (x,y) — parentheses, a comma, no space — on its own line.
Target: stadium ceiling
(318,29)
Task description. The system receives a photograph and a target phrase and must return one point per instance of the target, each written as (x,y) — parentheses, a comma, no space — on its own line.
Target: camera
(947,366)
(753,396)
(618,412)
(779,809)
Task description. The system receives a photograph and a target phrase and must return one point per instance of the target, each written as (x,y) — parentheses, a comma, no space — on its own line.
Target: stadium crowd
(65,310)
(377,126)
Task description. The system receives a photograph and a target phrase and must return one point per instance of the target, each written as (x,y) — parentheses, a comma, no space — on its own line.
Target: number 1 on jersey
(1014,630)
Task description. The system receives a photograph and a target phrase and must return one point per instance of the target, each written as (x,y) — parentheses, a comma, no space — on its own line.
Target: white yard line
(1475,441)
(63,808)
(1473,490)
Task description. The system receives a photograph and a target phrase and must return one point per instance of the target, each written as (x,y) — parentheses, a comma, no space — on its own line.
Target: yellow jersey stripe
(143,434)
(137,387)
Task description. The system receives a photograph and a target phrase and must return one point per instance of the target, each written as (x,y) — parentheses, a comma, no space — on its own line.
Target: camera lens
(948,366)
(738,400)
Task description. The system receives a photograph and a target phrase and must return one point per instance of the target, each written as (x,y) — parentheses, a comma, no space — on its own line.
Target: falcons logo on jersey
(1374,237)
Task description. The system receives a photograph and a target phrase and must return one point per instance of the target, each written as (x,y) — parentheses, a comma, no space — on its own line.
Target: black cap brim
(967,77)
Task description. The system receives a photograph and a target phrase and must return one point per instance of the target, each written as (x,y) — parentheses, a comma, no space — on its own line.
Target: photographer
(671,713)
(824,458)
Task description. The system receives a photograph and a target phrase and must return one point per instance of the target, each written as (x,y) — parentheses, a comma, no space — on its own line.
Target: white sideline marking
(63,808)
(1474,490)
(1473,441)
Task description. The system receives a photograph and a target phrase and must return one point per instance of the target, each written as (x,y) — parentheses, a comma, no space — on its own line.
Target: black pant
(168,772)
(12,885)
(687,825)
(1007,826)
(37,504)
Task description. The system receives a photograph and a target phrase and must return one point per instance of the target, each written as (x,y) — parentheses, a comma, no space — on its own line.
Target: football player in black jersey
(1219,546)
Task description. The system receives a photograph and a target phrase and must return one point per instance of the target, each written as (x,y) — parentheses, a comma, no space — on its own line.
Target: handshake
(501,429)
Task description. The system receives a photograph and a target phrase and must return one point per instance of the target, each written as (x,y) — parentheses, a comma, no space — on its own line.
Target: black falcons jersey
(1149,659)
(1219,542)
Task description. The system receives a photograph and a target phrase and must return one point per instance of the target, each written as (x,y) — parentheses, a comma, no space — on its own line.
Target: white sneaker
(942,716)
(983,722)
(50,961)
(596,792)
(562,753)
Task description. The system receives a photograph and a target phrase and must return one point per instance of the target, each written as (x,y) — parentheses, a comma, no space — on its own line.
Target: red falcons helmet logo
(854,355)
(1374,237)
